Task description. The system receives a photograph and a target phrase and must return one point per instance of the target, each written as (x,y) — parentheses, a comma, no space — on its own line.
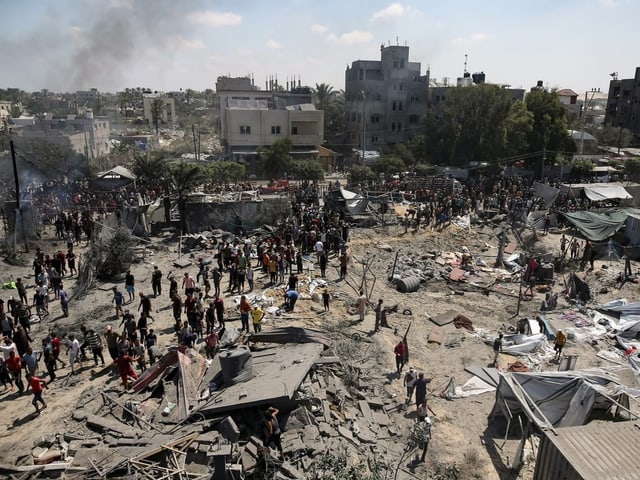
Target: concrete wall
(231,216)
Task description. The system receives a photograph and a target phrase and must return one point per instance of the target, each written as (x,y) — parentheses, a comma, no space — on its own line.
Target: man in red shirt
(14,364)
(400,351)
(37,385)
(212,344)
(125,368)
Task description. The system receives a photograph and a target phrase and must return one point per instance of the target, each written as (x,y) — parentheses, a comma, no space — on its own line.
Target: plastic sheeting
(606,191)
(596,226)
(562,399)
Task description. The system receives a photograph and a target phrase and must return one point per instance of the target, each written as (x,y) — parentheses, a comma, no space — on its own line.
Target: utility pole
(18,219)
(195,145)
(583,112)
(364,123)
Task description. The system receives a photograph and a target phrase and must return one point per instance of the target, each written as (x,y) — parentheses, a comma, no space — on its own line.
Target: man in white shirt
(74,353)
(319,249)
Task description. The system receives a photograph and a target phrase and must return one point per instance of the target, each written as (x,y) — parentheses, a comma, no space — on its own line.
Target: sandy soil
(462,432)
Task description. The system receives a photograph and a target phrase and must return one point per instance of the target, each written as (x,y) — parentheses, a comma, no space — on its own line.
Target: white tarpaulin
(605,191)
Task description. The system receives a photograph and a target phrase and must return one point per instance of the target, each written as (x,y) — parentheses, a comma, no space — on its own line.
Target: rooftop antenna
(465,63)
(397,41)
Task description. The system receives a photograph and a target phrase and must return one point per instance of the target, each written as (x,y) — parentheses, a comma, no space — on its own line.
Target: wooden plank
(155,371)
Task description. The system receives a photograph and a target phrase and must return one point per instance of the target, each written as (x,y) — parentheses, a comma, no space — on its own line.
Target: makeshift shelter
(114,179)
(596,192)
(349,202)
(597,226)
(578,289)
(552,400)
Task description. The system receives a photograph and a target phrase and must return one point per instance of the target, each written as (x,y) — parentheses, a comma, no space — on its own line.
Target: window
(374,139)
(275,130)
(393,126)
(413,119)
(395,63)
(375,118)
(402,86)
(400,105)
(402,63)
(399,126)
(294,130)
(394,106)
(245,129)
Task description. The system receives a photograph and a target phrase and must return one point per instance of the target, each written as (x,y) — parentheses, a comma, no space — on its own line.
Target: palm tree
(186,176)
(157,109)
(150,169)
(323,93)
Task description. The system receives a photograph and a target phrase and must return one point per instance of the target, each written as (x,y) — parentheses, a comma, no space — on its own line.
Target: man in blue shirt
(290,299)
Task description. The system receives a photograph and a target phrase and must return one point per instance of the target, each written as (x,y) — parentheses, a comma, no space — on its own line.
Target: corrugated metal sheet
(600,451)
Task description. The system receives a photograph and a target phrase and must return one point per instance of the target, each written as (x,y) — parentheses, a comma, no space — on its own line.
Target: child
(325,299)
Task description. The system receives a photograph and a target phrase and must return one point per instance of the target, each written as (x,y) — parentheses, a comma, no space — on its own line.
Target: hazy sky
(66,45)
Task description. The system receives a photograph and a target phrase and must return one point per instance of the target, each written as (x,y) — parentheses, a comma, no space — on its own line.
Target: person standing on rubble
(245,310)
(409,381)
(421,389)
(400,351)
(257,314)
(272,430)
(497,348)
(361,305)
(156,281)
(218,304)
(379,312)
(561,340)
(130,286)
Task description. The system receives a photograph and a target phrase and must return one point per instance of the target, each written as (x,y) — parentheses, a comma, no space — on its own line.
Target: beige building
(168,116)
(250,118)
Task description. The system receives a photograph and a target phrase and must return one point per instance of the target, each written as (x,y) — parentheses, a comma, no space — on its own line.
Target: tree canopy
(276,158)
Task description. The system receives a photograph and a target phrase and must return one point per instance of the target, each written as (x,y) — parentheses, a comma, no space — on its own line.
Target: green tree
(632,169)
(334,118)
(222,172)
(611,136)
(388,165)
(157,109)
(307,170)
(323,93)
(276,159)
(151,170)
(15,111)
(361,173)
(549,131)
(518,127)
(582,169)
(186,177)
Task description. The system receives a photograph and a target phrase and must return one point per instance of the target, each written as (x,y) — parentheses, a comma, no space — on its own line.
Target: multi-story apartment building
(250,118)
(384,100)
(623,105)
(85,134)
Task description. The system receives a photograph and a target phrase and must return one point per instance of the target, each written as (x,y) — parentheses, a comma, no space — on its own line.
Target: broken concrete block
(79,415)
(229,430)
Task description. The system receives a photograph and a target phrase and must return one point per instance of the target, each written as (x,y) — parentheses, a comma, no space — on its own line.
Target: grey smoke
(108,39)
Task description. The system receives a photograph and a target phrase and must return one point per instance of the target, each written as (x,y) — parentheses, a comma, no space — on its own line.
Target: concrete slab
(278,370)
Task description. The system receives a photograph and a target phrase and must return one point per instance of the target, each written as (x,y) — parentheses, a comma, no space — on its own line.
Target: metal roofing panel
(603,450)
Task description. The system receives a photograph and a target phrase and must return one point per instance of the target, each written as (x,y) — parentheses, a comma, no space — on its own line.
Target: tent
(114,179)
(598,192)
(561,399)
(597,226)
(350,202)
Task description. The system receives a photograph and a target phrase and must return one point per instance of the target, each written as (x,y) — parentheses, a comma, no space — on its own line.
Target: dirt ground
(462,431)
